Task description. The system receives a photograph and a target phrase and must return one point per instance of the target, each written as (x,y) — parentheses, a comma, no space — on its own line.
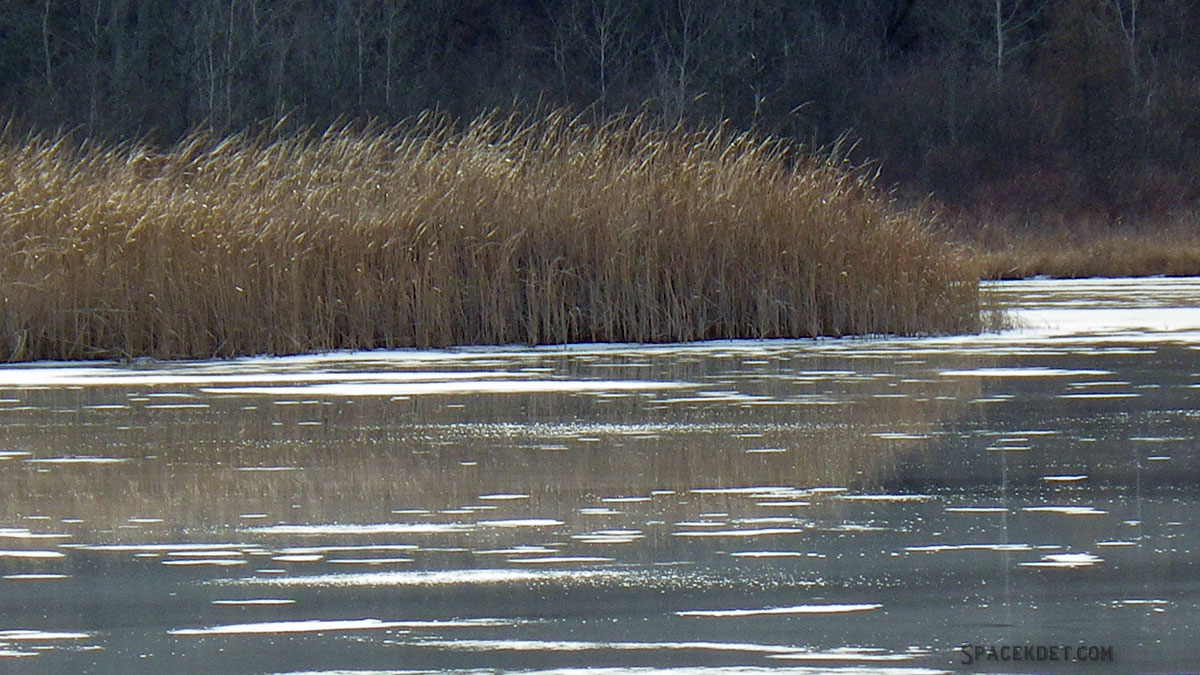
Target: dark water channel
(801,506)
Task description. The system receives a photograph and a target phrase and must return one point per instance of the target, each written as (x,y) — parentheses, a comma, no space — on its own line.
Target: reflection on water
(858,505)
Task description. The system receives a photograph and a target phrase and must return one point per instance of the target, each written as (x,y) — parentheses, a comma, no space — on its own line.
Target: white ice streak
(609,537)
(1021,372)
(851,655)
(310,550)
(1065,560)
(898,436)
(329,626)
(34,577)
(1067,510)
(521,522)
(204,562)
(32,555)
(25,533)
(369,561)
(114,377)
(796,609)
(1141,601)
(158,547)
(23,635)
(452,387)
(214,553)
(516,550)
(434,578)
(555,560)
(267,602)
(584,645)
(758,491)
(885,498)
(299,557)
(943,548)
(756,532)
(362,528)
(77,459)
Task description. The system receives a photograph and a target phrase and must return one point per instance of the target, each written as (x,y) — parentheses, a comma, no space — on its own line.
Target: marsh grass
(1169,246)
(506,231)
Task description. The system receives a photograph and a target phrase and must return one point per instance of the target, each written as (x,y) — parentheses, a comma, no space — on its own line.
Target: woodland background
(1026,111)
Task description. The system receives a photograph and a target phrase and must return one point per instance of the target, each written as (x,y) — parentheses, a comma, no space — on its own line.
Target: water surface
(864,505)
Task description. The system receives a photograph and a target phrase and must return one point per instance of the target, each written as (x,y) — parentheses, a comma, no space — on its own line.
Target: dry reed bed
(1171,249)
(548,231)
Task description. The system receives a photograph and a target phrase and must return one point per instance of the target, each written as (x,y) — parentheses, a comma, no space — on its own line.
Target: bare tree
(994,31)
(685,25)
(1125,15)
(1010,19)
(602,31)
(46,46)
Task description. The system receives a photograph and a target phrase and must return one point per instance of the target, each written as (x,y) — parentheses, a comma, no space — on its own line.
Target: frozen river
(866,505)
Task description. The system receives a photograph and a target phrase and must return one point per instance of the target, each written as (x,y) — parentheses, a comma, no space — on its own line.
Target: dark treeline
(1026,107)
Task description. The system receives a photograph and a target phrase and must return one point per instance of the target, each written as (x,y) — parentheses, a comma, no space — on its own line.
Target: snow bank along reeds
(506,231)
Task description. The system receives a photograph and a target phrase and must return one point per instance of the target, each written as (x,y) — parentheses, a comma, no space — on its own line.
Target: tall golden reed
(508,231)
